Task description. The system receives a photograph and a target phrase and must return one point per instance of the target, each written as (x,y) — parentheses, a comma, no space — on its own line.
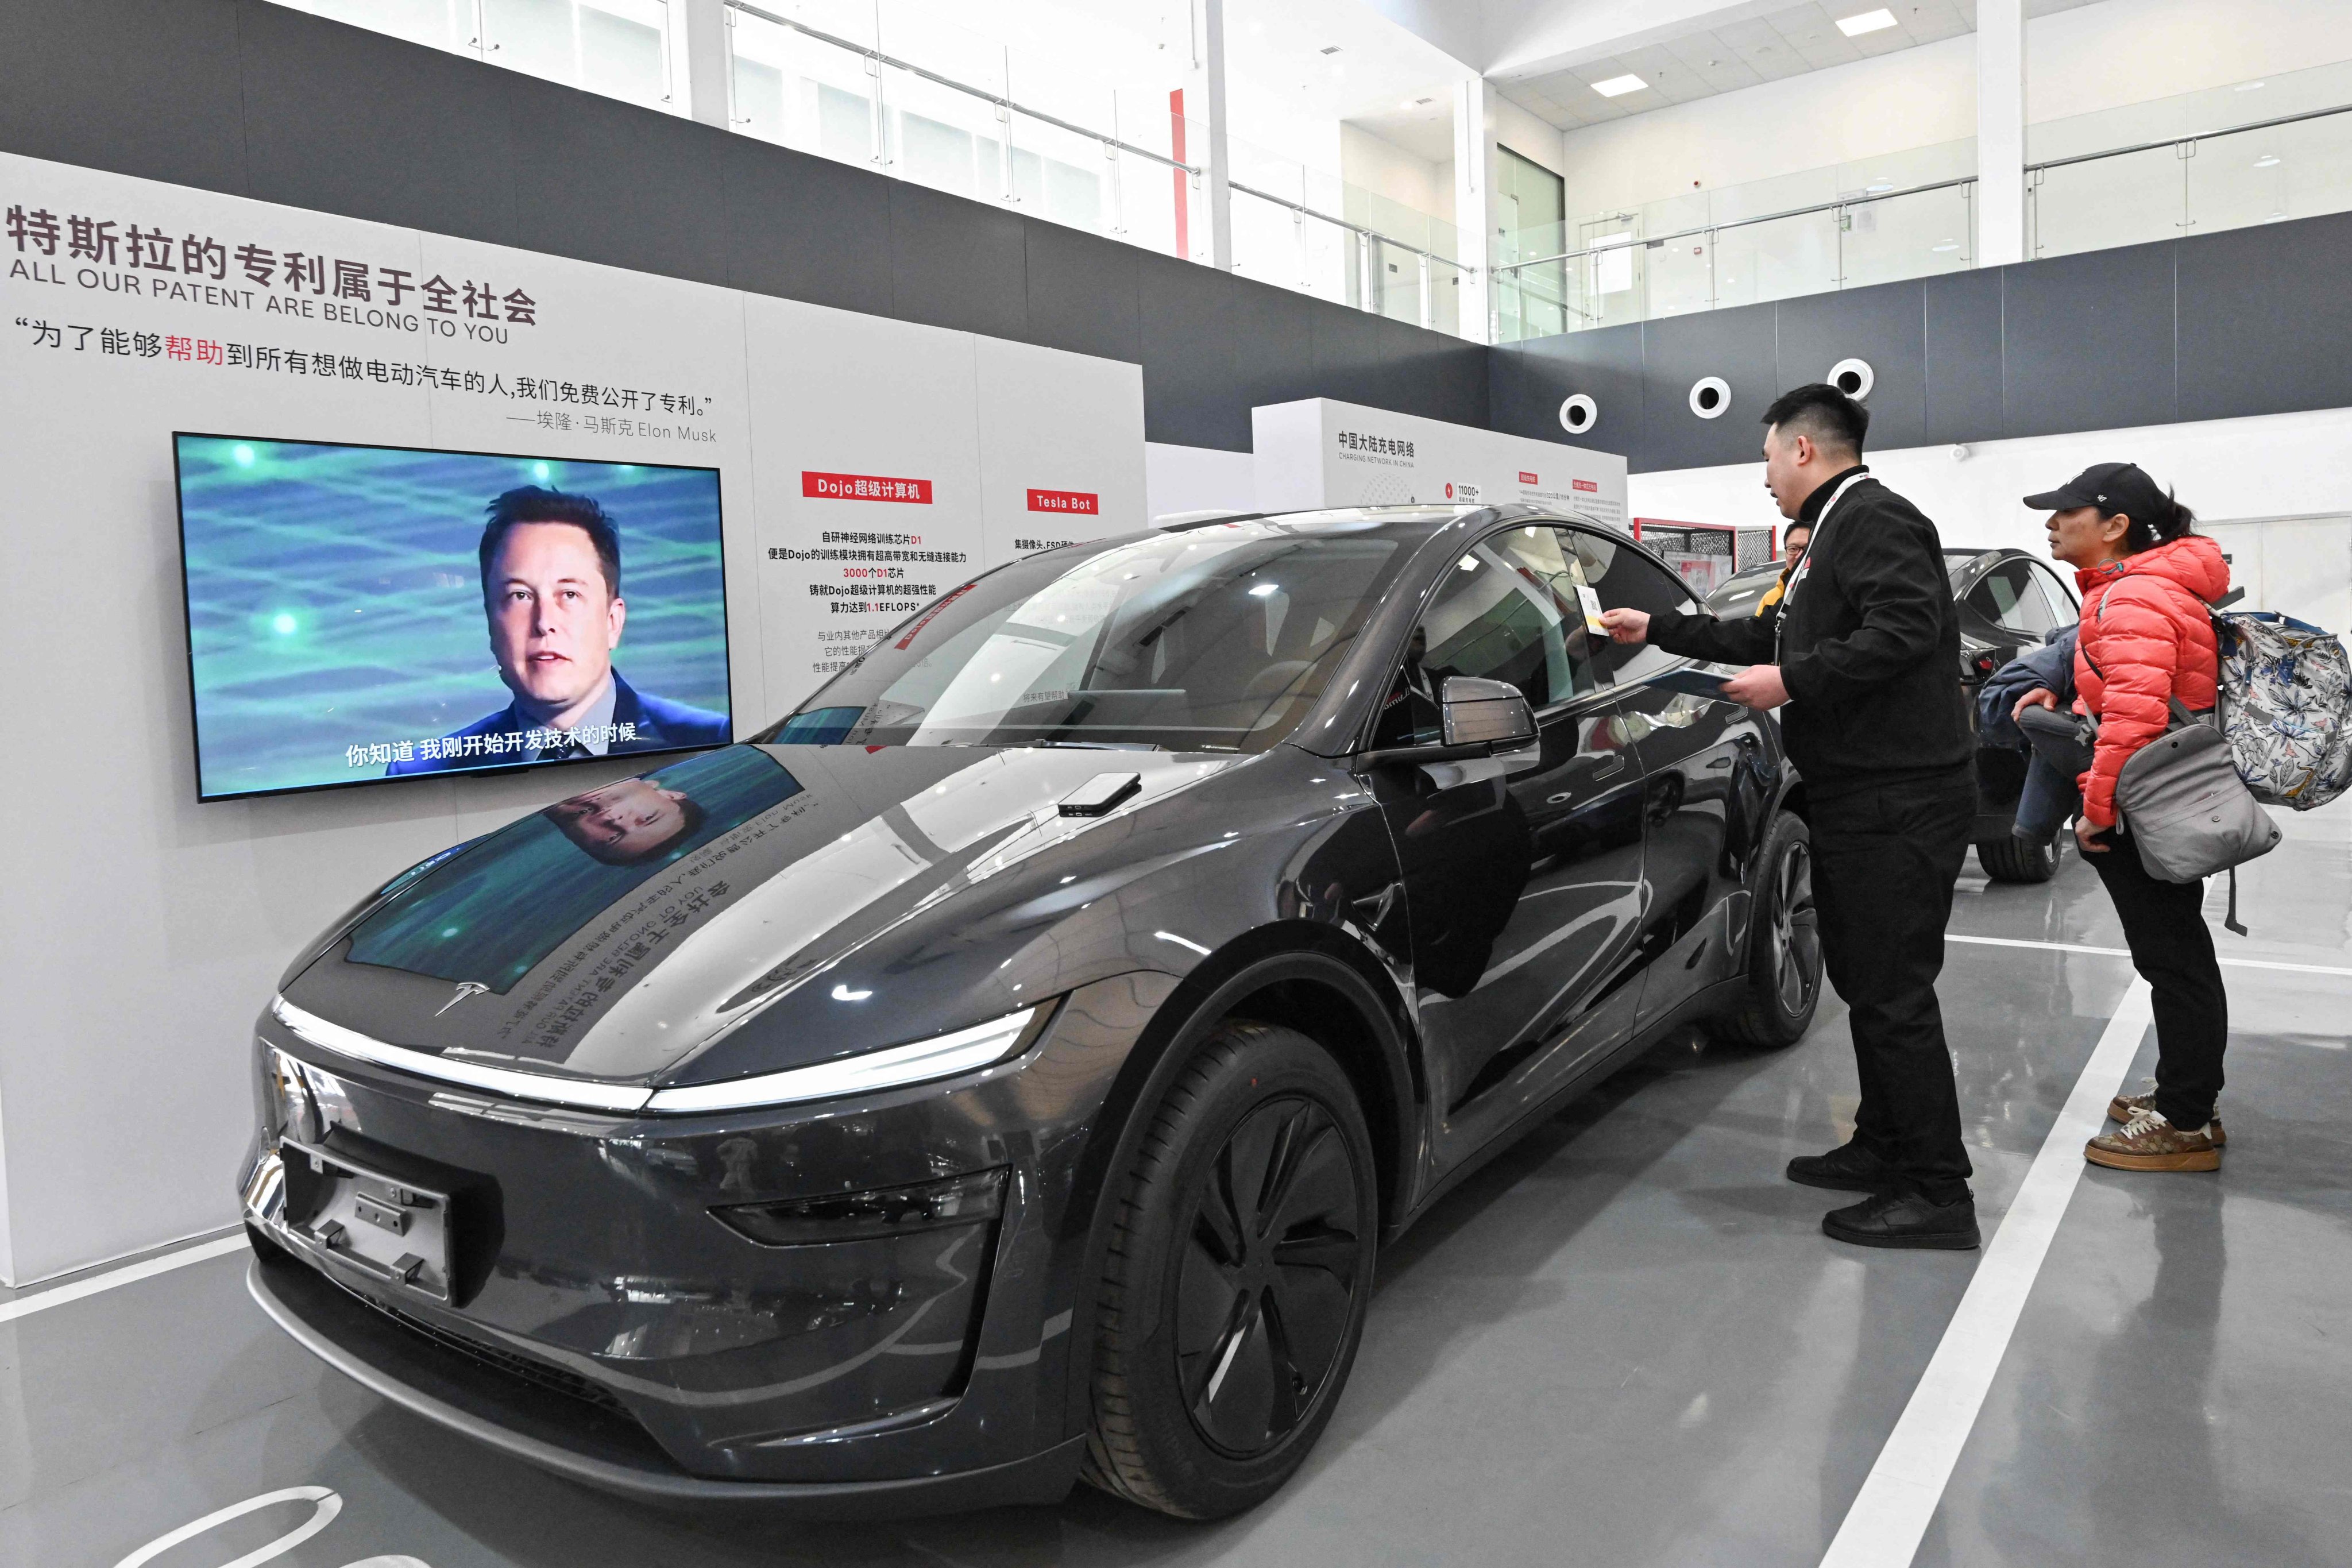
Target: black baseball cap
(2114,488)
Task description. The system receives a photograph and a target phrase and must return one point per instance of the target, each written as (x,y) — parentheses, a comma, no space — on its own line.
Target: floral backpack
(2286,707)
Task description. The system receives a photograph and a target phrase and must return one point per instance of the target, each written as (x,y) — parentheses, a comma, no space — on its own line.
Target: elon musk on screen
(360,613)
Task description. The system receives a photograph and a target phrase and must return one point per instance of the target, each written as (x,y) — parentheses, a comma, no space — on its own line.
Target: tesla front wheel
(1784,943)
(1233,1290)
(2017,859)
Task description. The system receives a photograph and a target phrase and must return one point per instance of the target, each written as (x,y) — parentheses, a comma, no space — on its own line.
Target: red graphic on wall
(1586,485)
(864,487)
(1449,490)
(1072,503)
(1526,477)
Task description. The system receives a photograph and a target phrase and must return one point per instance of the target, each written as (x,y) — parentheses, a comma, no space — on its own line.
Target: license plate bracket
(387,1227)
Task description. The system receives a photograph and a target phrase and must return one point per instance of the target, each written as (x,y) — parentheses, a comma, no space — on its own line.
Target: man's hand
(1627,626)
(2040,697)
(2083,832)
(1759,686)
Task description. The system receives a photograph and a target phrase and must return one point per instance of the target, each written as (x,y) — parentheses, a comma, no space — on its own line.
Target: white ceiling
(1545,54)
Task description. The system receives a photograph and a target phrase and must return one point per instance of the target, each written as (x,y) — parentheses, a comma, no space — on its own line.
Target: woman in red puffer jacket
(2148,584)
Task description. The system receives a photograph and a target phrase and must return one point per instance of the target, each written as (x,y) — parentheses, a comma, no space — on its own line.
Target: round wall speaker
(1709,397)
(1854,378)
(1579,414)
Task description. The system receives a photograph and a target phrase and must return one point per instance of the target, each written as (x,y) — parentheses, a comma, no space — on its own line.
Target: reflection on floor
(1624,1343)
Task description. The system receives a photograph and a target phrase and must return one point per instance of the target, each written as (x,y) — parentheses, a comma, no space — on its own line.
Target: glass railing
(2208,162)
(935,105)
(1731,246)
(622,48)
(2298,164)
(901,90)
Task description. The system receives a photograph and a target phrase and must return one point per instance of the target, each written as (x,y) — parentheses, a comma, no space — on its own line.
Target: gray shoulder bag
(2183,805)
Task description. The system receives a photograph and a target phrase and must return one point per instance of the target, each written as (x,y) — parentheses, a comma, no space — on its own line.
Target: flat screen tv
(358,613)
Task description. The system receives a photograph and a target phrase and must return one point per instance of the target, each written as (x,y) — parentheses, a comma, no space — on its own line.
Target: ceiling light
(1948,245)
(1618,86)
(2250,87)
(1330,48)
(1868,22)
(2267,161)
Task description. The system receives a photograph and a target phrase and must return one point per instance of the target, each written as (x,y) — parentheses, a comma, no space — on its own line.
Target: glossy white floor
(1625,1343)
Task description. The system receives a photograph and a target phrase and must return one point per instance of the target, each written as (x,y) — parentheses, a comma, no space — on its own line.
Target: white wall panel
(140,932)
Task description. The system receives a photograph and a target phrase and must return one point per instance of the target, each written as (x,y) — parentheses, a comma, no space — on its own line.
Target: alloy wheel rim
(1796,932)
(1267,1283)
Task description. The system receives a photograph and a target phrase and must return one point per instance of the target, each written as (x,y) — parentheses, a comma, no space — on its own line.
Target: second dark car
(1008,1068)
(2009,600)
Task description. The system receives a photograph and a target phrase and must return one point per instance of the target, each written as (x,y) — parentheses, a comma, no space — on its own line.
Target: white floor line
(1889,1516)
(2126,952)
(129,1274)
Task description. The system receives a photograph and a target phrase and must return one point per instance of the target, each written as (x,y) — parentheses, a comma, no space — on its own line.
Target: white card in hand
(1592,603)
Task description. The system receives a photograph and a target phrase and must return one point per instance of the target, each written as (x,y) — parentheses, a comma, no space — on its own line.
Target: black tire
(2016,859)
(1232,1295)
(1784,944)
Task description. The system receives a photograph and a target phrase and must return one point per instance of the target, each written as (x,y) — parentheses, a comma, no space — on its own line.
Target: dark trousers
(1884,859)
(2173,948)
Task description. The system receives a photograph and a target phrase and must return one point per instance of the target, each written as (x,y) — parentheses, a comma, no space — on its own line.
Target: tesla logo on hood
(465,988)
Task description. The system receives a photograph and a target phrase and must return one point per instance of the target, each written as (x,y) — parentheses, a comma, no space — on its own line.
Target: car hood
(541,948)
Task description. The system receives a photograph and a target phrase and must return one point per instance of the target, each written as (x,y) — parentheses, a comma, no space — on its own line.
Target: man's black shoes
(1902,1218)
(1848,1168)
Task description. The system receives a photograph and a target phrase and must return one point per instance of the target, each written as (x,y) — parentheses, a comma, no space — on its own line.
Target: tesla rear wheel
(1232,1295)
(2019,859)
(1784,944)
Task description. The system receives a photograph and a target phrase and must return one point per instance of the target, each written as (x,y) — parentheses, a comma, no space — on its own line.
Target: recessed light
(1330,48)
(1948,245)
(1868,22)
(1618,86)
(2250,87)
(2267,161)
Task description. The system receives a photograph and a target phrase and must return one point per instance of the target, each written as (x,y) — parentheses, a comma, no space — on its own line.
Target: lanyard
(1821,532)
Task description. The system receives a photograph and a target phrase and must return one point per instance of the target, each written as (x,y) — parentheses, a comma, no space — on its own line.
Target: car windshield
(1215,638)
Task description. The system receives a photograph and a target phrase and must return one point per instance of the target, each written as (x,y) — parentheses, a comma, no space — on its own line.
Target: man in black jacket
(1865,653)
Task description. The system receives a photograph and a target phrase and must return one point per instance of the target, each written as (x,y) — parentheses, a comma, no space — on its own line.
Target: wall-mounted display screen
(363,612)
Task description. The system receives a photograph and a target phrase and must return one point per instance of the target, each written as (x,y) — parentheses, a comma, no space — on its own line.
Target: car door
(1705,787)
(1522,872)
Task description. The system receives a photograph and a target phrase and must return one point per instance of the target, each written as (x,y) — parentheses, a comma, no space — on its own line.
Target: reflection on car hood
(554,946)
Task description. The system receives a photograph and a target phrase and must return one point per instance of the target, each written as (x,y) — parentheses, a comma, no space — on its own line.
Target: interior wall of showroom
(2264,466)
(2092,58)
(146,929)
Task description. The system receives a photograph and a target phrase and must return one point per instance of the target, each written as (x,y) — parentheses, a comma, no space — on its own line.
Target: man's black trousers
(2173,948)
(1884,858)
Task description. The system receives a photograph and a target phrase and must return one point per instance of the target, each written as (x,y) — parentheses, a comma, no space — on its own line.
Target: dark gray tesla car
(1006,1069)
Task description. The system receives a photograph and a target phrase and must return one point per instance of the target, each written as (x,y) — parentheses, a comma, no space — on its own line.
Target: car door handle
(1610,766)
(1720,763)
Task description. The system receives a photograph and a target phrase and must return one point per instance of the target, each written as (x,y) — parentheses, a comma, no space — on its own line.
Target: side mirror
(1490,713)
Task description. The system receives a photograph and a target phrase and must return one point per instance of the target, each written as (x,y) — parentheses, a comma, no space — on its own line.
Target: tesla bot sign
(1070,503)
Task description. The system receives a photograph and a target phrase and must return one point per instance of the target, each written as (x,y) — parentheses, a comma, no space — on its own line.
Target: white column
(703,77)
(1474,203)
(1209,207)
(1219,192)
(2000,133)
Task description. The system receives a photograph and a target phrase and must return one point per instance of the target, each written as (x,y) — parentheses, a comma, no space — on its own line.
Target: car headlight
(942,1055)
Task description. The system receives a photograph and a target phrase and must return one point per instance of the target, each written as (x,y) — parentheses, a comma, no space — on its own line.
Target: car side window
(1506,611)
(1626,580)
(2011,599)
(2062,609)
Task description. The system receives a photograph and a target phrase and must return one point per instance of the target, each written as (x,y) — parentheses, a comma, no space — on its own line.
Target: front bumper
(599,1321)
(612,1453)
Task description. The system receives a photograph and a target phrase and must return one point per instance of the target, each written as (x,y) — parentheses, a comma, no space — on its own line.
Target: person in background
(1793,541)
(2147,637)
(1864,650)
